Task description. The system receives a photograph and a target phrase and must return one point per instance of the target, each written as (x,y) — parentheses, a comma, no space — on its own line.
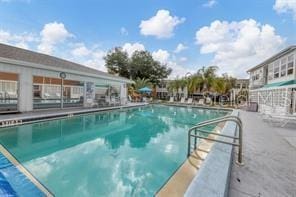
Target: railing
(197,129)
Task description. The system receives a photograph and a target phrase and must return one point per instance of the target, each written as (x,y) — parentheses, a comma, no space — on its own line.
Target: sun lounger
(201,102)
(189,101)
(171,99)
(182,100)
(283,120)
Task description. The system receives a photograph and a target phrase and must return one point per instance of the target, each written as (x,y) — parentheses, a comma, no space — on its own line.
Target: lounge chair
(189,101)
(130,99)
(182,100)
(283,120)
(277,115)
(201,102)
(171,99)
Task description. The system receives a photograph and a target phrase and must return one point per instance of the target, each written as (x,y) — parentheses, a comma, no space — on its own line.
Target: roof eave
(277,55)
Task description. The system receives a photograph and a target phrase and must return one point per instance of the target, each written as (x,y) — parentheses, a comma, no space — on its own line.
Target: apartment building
(273,82)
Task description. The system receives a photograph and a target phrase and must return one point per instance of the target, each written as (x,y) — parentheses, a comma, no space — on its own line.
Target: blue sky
(233,35)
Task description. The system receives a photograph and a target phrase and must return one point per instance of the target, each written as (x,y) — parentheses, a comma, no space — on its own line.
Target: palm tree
(208,75)
(141,83)
(194,83)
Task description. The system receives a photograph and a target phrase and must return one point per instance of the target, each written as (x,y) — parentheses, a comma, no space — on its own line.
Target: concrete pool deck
(269,154)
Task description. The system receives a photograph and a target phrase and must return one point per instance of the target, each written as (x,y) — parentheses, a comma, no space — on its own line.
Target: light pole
(62,76)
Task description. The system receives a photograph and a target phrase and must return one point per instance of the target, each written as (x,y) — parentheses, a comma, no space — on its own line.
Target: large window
(8,91)
(47,93)
(283,67)
(270,71)
(276,70)
(290,69)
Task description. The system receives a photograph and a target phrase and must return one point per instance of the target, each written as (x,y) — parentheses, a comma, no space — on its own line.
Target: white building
(273,82)
(31,81)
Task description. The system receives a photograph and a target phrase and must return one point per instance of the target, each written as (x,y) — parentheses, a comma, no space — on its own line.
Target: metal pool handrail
(196,129)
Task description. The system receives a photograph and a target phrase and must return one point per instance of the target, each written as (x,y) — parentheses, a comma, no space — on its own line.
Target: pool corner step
(18,177)
(178,183)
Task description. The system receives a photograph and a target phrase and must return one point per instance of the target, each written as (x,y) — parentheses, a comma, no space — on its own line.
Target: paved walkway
(270,160)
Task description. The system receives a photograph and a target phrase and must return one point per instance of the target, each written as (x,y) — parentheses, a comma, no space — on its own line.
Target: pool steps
(18,181)
(181,179)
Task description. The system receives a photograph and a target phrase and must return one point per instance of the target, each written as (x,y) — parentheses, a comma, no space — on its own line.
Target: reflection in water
(118,153)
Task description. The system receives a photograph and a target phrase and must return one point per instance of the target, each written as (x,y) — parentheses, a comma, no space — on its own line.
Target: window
(270,72)
(290,69)
(257,76)
(283,67)
(276,70)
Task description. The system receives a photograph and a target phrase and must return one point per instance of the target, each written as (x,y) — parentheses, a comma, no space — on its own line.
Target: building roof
(274,57)
(15,53)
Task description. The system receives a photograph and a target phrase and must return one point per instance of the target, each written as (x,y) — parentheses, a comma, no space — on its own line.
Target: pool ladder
(198,129)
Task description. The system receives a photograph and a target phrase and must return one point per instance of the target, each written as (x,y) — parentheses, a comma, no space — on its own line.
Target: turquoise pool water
(129,152)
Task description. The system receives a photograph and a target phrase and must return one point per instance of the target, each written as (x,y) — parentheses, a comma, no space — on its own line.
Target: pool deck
(269,154)
(58,113)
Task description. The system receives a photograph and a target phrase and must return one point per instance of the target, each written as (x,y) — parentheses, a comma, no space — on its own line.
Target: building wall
(257,78)
(279,100)
(275,71)
(283,64)
(25,81)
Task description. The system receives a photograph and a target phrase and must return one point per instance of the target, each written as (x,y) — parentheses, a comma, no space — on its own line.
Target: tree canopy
(204,80)
(140,65)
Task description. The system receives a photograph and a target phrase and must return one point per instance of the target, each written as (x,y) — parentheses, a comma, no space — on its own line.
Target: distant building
(163,91)
(240,85)
(273,82)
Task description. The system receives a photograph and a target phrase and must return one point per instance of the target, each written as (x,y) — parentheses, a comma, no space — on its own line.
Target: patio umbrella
(145,90)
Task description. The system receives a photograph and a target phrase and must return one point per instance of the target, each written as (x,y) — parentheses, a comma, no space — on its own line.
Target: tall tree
(144,66)
(117,62)
(140,65)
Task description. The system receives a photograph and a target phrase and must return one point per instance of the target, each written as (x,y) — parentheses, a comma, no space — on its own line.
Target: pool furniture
(182,100)
(189,101)
(171,99)
(201,102)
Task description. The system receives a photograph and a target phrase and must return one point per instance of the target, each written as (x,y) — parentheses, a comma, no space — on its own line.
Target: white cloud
(183,59)
(89,56)
(180,47)
(238,46)
(161,55)
(161,25)
(123,31)
(178,70)
(210,3)
(80,50)
(285,6)
(130,48)
(97,60)
(51,35)
(19,40)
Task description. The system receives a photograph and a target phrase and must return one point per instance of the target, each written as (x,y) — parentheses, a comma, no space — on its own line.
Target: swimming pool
(129,152)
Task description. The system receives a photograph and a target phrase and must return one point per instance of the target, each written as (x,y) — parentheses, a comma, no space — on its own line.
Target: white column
(84,95)
(123,94)
(25,96)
